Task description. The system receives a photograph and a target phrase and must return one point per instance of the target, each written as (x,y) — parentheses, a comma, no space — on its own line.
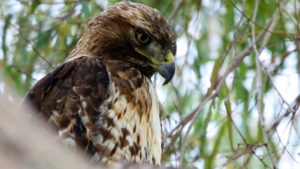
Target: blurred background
(234,101)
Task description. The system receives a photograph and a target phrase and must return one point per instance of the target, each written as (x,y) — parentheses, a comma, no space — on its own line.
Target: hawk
(101,98)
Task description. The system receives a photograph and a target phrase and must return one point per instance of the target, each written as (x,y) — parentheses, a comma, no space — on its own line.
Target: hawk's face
(133,33)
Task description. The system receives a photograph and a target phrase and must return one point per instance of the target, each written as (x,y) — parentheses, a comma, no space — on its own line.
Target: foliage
(232,103)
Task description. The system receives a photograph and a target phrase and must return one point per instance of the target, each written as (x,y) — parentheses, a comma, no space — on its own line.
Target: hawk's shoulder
(75,77)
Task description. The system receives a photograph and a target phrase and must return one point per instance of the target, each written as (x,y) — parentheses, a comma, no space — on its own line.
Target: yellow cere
(169,58)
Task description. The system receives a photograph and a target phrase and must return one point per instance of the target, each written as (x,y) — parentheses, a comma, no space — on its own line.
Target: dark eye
(142,37)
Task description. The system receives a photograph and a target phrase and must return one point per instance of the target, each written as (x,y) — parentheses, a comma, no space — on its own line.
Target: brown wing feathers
(71,92)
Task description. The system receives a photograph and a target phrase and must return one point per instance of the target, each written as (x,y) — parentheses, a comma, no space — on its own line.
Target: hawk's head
(133,33)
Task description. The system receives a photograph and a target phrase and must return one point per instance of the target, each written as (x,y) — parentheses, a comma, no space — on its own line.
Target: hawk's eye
(142,37)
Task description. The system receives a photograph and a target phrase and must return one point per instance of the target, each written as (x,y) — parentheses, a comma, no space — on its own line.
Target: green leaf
(5,28)
(216,69)
(34,5)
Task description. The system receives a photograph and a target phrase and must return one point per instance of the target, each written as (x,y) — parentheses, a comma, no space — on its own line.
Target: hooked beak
(167,70)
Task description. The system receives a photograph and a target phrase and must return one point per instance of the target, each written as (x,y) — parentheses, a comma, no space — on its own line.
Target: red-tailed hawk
(101,98)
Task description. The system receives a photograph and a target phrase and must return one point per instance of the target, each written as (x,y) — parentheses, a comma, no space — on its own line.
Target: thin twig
(174,13)
(260,87)
(229,112)
(34,48)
